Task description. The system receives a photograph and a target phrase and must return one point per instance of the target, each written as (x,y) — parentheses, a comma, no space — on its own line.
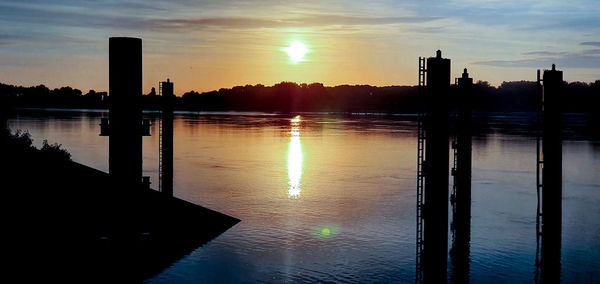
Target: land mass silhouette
(289,97)
(67,221)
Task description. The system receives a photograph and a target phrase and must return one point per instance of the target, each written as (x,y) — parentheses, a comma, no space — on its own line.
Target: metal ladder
(160,141)
(420,170)
(455,157)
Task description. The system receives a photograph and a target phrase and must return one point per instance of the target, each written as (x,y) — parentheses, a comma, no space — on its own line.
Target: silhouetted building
(124,125)
(434,170)
(551,175)
(166,138)
(461,193)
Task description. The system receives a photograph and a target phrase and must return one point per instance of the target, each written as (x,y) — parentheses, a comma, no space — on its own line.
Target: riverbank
(68,221)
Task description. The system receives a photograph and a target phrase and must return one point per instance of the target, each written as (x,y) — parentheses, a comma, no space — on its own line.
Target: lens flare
(326,231)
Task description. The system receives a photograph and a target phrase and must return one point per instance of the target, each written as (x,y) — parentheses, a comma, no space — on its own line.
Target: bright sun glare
(296,51)
(295,158)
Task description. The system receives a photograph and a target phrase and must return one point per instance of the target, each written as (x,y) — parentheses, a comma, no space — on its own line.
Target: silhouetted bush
(20,144)
(20,141)
(54,151)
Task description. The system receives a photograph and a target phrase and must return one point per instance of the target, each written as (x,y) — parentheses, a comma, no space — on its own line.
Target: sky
(212,44)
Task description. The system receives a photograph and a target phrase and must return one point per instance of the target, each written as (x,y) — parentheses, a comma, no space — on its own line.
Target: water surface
(331,198)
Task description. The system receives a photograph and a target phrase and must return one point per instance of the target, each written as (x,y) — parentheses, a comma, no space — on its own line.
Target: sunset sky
(207,45)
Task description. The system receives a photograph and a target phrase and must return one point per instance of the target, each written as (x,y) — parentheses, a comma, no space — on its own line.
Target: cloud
(591,43)
(577,22)
(516,15)
(429,30)
(591,51)
(21,14)
(315,20)
(545,53)
(569,60)
(588,58)
(11,38)
(143,17)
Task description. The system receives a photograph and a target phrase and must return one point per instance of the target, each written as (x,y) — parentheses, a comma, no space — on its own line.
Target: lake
(331,198)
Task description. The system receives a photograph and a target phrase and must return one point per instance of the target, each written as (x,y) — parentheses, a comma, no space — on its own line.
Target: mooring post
(124,125)
(166,166)
(461,218)
(551,175)
(435,253)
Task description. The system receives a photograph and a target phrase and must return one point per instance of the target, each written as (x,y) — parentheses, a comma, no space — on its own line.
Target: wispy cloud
(11,38)
(72,18)
(562,23)
(588,58)
(316,20)
(591,51)
(135,16)
(545,53)
(591,43)
(569,60)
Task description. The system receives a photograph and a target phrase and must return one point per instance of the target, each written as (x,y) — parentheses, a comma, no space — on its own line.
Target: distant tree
(293,97)
(485,96)
(90,93)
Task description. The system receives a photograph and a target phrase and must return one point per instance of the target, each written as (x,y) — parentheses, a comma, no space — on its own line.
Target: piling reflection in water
(294,162)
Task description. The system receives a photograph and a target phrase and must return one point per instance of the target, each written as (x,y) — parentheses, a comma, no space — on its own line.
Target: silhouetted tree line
(42,96)
(292,97)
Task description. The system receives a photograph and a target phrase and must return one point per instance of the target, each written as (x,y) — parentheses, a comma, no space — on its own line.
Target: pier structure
(461,172)
(124,125)
(549,175)
(432,175)
(165,161)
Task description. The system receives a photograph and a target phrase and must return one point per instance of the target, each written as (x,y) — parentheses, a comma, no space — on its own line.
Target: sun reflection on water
(294,159)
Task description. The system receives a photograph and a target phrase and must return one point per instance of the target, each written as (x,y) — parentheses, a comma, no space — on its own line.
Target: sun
(296,51)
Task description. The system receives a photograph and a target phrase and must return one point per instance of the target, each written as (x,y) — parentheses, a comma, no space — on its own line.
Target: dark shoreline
(67,221)
(290,97)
